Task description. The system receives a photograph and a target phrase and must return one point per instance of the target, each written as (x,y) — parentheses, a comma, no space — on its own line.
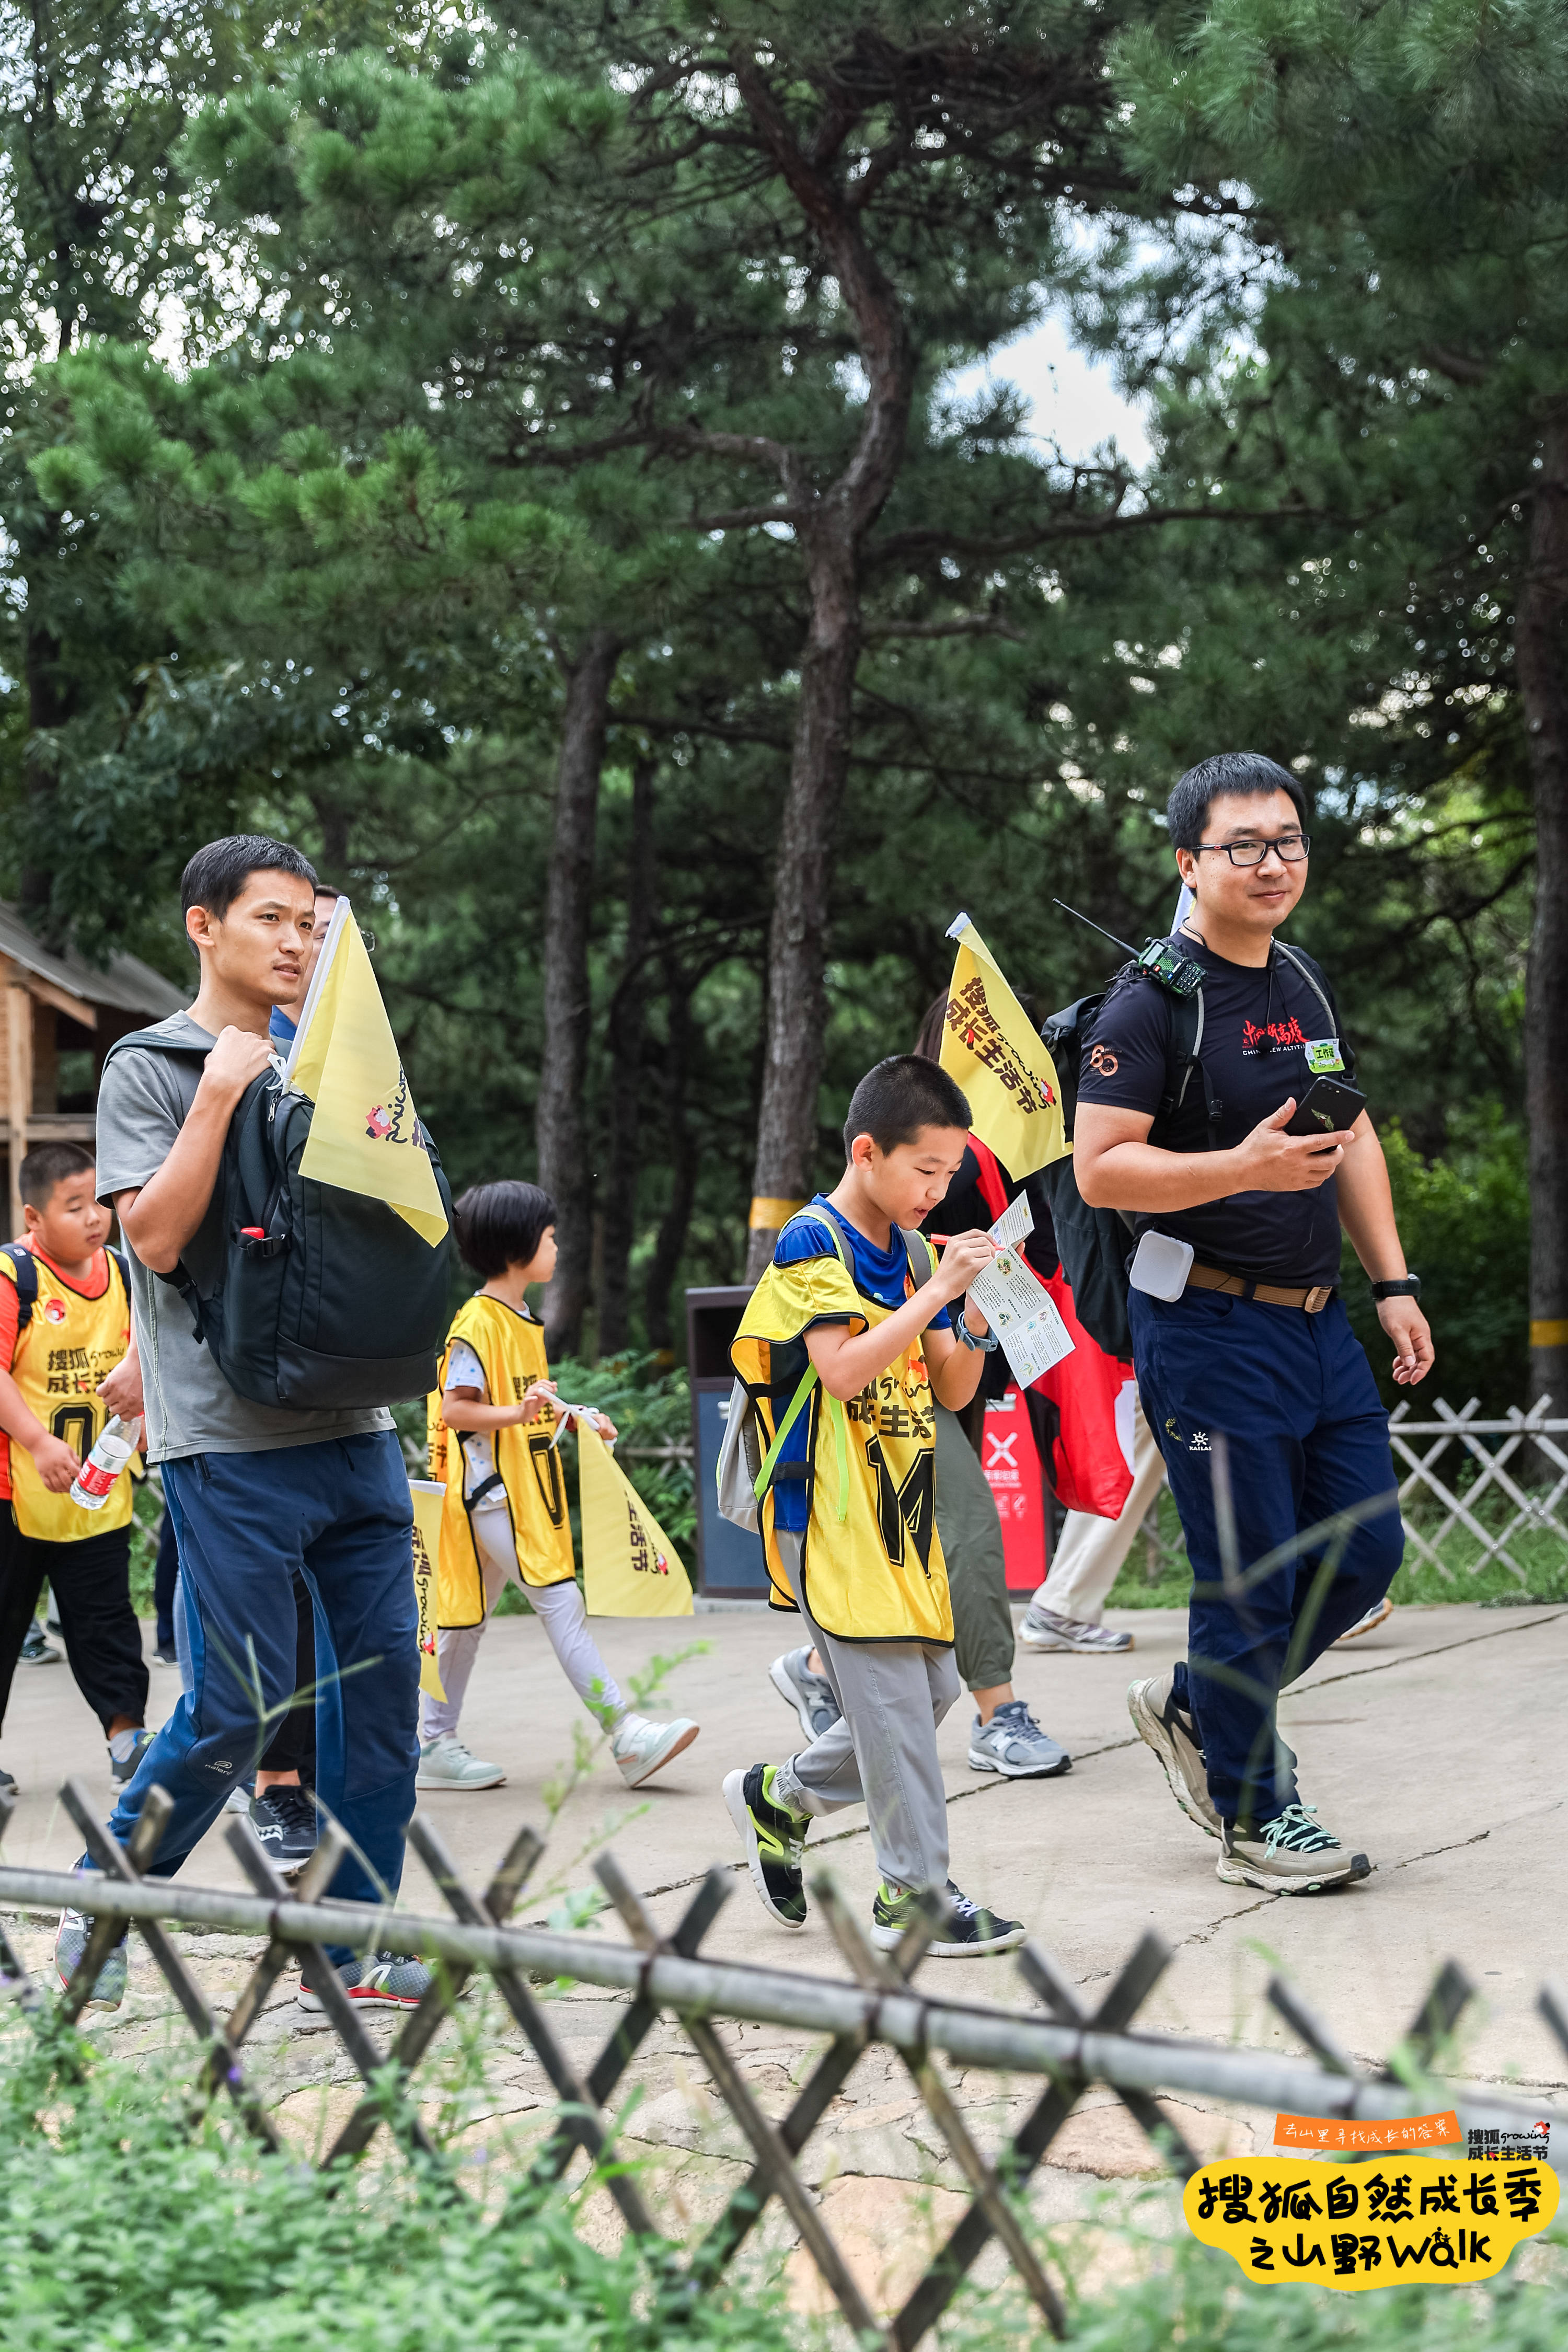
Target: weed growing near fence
(122,2231)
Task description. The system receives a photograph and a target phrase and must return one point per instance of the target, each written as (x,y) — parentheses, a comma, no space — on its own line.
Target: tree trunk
(1539,661)
(626,1074)
(831,526)
(568,998)
(671,1241)
(797,935)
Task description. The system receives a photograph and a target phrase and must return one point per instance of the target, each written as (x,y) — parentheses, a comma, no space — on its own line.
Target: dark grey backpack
(307,1296)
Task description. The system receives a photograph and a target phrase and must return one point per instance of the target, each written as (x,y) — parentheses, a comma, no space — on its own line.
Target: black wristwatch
(1409,1286)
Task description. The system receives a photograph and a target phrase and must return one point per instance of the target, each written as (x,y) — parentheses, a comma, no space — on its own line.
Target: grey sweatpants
(881,1753)
(970,1534)
(560,1609)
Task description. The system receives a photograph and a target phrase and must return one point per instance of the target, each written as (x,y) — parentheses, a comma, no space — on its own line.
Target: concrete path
(1431,1744)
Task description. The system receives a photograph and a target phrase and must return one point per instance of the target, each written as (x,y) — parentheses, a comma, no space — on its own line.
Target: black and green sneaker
(776,1841)
(970,1929)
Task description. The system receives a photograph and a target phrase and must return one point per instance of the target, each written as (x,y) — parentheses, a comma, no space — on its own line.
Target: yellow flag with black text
(630,1567)
(428,1498)
(364,1135)
(990,1047)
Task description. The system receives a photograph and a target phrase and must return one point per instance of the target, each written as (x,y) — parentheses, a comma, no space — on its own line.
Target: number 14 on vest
(1016,1302)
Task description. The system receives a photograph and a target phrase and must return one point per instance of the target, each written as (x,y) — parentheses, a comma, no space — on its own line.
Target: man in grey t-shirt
(191,1409)
(257,1492)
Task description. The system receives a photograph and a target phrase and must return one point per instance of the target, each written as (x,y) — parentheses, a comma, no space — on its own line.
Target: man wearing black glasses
(1247,1338)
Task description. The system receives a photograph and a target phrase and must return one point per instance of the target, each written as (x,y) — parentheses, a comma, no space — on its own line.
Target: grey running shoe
(284,1820)
(384,1980)
(1161,1724)
(1291,1854)
(972,1929)
(35,1651)
(811,1695)
(1013,1743)
(445,1763)
(70,1942)
(7,1783)
(123,1769)
(1042,1628)
(1376,1615)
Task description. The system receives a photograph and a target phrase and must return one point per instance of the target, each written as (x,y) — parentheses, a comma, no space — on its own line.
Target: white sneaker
(445,1763)
(1043,1629)
(1376,1615)
(642,1748)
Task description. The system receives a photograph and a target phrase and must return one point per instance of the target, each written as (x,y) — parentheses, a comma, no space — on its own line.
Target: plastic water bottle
(90,1486)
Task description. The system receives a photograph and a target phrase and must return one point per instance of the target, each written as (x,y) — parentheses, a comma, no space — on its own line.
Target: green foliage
(122,2231)
(1464,1219)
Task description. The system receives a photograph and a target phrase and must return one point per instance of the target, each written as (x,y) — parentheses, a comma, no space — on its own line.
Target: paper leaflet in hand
(1016,1304)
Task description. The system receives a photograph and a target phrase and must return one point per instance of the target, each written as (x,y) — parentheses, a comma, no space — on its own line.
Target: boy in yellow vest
(504,1515)
(844,1346)
(65,1339)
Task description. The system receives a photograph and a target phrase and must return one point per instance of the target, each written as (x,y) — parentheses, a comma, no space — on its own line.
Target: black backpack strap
(24,1275)
(153,1043)
(119,1259)
(1184,1056)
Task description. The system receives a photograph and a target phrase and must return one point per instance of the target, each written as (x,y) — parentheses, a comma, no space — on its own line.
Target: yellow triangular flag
(364,1137)
(630,1567)
(990,1047)
(428,1501)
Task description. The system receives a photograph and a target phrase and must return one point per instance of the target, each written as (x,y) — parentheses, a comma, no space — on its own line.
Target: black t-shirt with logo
(1253,1051)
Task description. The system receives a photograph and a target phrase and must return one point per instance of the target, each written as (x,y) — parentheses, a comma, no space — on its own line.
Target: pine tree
(1409,194)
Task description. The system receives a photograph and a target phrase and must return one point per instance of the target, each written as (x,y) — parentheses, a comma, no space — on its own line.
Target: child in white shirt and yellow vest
(843,1348)
(65,1335)
(492,1426)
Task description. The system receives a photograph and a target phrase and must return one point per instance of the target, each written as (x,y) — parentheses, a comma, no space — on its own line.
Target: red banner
(1011,1462)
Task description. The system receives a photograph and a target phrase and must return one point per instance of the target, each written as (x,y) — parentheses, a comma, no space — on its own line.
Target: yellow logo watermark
(1408,2217)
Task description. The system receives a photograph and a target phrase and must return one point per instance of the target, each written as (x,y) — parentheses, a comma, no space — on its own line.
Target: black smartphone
(1327,1108)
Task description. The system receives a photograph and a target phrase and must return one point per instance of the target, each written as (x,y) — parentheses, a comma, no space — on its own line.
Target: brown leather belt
(1310,1302)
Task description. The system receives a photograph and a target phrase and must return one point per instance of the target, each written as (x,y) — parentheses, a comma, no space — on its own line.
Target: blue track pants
(1308,1436)
(339,1512)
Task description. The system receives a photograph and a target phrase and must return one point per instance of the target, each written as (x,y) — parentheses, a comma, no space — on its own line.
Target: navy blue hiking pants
(1308,1437)
(338,1513)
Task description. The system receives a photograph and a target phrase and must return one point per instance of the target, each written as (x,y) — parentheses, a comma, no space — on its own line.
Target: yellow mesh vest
(871,1560)
(61,1356)
(532,1476)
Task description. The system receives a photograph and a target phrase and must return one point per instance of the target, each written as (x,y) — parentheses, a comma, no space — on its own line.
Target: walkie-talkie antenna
(1094,926)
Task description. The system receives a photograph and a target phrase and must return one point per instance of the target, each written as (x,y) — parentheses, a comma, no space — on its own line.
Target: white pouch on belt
(1160,1266)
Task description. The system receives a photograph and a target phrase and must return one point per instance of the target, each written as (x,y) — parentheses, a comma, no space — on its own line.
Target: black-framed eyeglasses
(1293,847)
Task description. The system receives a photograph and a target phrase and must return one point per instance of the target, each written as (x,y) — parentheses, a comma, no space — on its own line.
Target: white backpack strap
(1298,965)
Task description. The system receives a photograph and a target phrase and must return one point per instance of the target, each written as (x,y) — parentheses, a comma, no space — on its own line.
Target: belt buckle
(1317,1298)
